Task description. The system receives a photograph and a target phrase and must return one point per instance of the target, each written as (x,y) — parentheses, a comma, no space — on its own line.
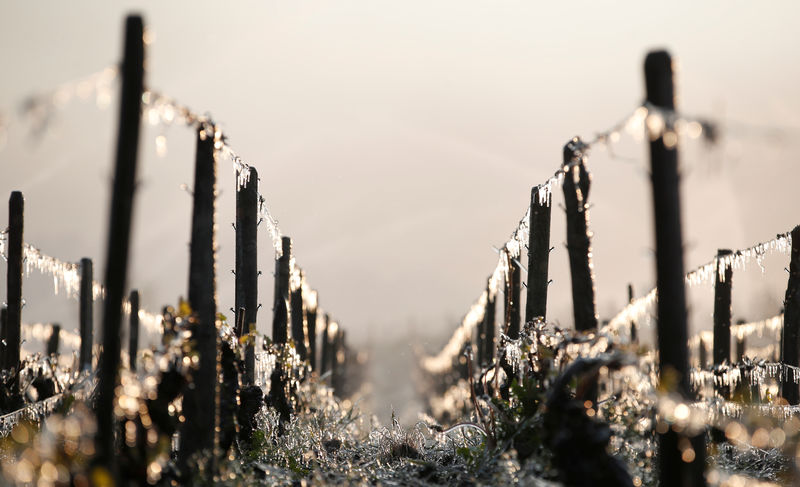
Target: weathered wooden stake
(325,354)
(338,362)
(512,317)
(722,315)
(489,326)
(311,322)
(16,208)
(280,317)
(740,347)
(3,336)
(671,324)
(480,336)
(513,292)
(247,201)
(576,194)
(119,231)
(634,331)
(791,322)
(251,399)
(200,400)
(280,332)
(133,331)
(53,341)
(298,322)
(703,354)
(538,256)
(86,315)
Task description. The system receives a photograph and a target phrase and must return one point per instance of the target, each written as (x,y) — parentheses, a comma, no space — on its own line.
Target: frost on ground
(331,443)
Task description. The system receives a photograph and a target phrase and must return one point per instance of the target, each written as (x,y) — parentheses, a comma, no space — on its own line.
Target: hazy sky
(398,141)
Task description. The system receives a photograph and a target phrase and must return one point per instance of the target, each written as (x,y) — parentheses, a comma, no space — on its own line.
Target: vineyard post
(671,325)
(312,335)
(513,294)
(489,324)
(86,313)
(476,345)
(280,322)
(746,385)
(634,331)
(298,320)
(53,341)
(133,331)
(538,255)
(722,314)
(325,347)
(337,366)
(280,317)
(791,322)
(251,397)
(741,343)
(576,195)
(512,312)
(703,359)
(119,231)
(247,202)
(200,407)
(16,208)
(3,336)
(480,336)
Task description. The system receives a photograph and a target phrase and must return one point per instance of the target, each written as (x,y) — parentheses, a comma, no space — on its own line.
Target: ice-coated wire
(773,325)
(443,361)
(37,110)
(67,276)
(739,259)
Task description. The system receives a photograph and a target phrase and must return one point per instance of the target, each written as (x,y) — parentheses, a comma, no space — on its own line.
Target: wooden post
(298,322)
(16,208)
(576,194)
(53,341)
(311,318)
(779,351)
(133,331)
(791,322)
(325,354)
(480,336)
(3,336)
(200,401)
(280,317)
(671,324)
(740,345)
(251,399)
(634,331)
(247,202)
(722,315)
(280,321)
(337,362)
(489,325)
(538,256)
(229,399)
(86,316)
(119,231)
(513,291)
(747,387)
(703,354)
